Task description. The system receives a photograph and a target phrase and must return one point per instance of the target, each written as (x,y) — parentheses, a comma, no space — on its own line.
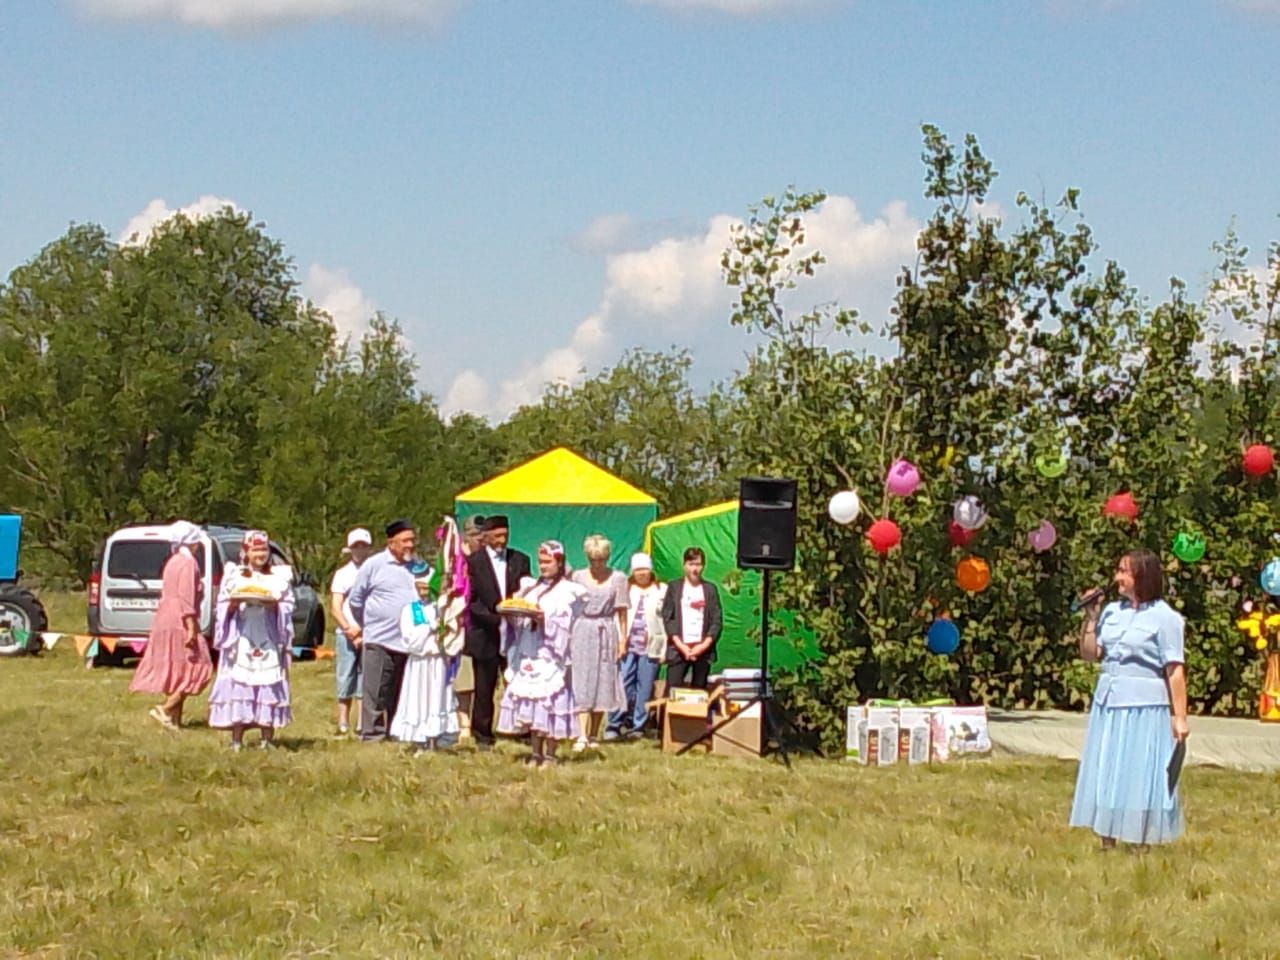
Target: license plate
(134,603)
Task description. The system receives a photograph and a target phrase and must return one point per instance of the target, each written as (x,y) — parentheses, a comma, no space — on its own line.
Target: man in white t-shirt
(346,640)
(692,618)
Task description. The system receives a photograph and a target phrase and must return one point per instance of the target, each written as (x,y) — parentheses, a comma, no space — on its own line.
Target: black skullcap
(398,526)
(497,522)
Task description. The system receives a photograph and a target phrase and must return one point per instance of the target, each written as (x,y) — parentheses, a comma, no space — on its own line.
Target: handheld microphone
(1088,600)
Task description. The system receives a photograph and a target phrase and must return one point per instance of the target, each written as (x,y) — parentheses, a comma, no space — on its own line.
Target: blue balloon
(1270,578)
(943,637)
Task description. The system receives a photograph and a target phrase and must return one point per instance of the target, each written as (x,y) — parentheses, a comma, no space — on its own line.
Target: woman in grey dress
(595,643)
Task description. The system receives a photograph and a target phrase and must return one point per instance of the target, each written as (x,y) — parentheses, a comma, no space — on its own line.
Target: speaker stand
(774,719)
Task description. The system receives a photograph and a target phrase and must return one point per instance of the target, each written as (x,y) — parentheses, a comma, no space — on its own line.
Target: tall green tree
(1009,347)
(640,419)
(134,380)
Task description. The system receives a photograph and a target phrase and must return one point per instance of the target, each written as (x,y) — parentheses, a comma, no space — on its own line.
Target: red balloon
(960,536)
(1258,460)
(1121,505)
(883,535)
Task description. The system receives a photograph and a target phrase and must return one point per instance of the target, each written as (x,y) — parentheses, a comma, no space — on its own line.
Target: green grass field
(120,839)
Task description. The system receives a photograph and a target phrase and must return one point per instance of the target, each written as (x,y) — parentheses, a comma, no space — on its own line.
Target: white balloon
(844,507)
(969,513)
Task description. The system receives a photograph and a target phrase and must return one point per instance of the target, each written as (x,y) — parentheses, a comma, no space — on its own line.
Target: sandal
(159,716)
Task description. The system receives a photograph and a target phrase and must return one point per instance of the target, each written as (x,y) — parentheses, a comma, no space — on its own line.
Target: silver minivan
(124,590)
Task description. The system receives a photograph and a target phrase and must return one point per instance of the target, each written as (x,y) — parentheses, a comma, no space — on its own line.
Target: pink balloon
(903,478)
(1043,537)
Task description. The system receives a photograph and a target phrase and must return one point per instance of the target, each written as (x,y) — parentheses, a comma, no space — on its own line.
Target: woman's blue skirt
(1122,789)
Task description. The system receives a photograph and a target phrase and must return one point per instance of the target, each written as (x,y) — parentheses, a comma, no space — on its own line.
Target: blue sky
(533,187)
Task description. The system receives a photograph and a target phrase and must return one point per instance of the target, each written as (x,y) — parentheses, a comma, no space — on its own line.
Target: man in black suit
(495,572)
(691,613)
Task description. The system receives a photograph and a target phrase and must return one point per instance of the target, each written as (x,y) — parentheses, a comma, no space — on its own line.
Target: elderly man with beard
(495,573)
(383,588)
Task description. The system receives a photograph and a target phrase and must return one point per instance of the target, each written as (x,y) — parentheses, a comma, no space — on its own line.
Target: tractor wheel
(20,610)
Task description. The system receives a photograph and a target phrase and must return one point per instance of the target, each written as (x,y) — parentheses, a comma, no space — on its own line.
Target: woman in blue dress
(1139,712)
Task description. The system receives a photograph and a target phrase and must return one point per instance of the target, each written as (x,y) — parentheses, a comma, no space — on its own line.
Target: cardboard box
(914,734)
(739,735)
(959,732)
(688,695)
(877,746)
(685,722)
(853,721)
(878,737)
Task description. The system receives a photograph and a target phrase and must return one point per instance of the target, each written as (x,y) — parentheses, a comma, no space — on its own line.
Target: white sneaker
(580,745)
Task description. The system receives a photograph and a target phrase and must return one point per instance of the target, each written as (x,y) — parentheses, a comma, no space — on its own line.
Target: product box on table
(853,721)
(878,737)
(914,734)
(959,732)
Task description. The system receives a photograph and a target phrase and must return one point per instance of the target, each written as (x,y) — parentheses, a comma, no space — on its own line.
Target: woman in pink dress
(176,662)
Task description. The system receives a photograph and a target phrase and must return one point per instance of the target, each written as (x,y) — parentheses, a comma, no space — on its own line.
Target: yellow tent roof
(698,514)
(557,476)
(715,508)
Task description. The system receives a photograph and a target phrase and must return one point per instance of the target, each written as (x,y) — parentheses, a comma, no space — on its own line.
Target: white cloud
(249,14)
(604,234)
(674,290)
(140,226)
(471,393)
(334,293)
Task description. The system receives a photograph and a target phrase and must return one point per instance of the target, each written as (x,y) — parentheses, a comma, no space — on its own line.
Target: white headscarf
(183,533)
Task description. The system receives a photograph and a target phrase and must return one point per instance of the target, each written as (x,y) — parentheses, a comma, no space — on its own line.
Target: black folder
(1175,764)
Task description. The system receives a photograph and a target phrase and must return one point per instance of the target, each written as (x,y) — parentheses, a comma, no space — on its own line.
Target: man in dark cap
(383,588)
(495,574)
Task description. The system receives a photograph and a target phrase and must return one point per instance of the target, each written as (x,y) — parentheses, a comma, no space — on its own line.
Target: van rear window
(142,559)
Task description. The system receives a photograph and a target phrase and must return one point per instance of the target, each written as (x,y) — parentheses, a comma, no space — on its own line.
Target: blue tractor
(22,617)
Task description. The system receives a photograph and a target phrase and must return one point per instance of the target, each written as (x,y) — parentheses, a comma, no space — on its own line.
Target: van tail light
(95,588)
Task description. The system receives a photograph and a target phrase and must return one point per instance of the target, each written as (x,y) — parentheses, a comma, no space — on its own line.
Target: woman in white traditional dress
(254,637)
(428,710)
(539,696)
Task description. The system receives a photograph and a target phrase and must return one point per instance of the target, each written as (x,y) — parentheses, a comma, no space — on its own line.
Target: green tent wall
(715,530)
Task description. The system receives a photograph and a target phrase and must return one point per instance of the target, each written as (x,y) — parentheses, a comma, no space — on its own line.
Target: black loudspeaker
(766,523)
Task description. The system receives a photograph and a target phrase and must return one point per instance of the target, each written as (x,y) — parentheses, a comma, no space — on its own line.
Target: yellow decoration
(1260,643)
(1251,625)
(944,461)
(557,476)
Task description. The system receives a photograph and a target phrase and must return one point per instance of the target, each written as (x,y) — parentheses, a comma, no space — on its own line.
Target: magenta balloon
(1043,537)
(903,478)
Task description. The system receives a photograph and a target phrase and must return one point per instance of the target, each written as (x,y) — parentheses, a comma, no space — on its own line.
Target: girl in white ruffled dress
(539,697)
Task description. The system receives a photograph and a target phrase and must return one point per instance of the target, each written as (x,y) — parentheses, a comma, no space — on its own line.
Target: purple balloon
(1043,537)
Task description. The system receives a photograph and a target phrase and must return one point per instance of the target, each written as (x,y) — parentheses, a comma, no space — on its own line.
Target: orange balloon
(973,574)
